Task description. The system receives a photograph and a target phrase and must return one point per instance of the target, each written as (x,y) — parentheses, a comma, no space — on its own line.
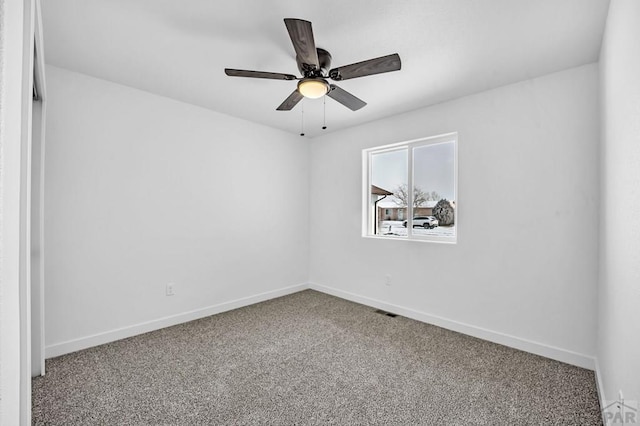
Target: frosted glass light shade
(313,88)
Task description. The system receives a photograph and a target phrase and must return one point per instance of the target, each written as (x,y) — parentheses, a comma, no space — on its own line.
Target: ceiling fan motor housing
(324,60)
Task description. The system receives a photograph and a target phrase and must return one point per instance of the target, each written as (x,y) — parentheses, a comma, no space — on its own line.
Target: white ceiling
(449,48)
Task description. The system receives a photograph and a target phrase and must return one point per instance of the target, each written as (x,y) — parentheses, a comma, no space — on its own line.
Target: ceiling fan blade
(259,74)
(372,66)
(345,98)
(301,35)
(291,101)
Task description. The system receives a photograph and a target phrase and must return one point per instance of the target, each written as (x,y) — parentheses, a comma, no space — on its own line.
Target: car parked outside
(427,222)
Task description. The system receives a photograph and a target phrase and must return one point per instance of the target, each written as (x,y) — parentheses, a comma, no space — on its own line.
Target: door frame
(39,109)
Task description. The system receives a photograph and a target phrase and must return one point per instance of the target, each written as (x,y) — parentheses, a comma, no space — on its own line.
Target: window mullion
(410,192)
(371,216)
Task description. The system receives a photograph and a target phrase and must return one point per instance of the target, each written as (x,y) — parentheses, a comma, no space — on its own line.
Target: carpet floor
(310,358)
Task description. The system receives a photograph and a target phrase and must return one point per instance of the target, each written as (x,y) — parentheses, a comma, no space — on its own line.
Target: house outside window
(419,181)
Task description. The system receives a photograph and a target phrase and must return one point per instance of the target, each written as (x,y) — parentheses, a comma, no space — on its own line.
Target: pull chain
(302,119)
(324,112)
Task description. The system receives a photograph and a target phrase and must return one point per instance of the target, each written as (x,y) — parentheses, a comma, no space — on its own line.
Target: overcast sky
(433,169)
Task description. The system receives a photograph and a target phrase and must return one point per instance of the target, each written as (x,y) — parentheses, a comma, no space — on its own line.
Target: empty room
(418,212)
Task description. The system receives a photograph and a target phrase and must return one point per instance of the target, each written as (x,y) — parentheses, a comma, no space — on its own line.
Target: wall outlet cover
(171,289)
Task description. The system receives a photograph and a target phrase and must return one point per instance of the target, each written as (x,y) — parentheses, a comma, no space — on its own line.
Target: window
(410,190)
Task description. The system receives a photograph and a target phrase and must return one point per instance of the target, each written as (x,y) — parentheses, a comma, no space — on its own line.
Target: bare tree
(402,196)
(433,196)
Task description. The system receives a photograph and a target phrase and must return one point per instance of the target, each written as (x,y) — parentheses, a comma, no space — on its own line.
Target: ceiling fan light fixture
(313,63)
(313,88)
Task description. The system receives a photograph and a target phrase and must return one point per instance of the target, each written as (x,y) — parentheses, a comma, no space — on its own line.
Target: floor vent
(389,314)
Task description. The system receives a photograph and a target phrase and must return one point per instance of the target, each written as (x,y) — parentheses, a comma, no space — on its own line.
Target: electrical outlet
(387,279)
(171,289)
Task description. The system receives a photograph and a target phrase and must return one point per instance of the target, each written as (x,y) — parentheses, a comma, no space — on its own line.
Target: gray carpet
(310,358)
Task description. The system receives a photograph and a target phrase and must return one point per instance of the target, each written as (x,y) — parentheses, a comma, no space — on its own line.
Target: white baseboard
(547,351)
(600,387)
(74,345)
(537,348)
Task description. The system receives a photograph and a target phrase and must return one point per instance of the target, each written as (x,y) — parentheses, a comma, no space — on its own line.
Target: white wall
(141,191)
(619,292)
(11,72)
(524,270)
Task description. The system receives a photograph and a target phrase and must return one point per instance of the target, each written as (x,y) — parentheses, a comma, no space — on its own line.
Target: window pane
(389,172)
(434,189)
(412,183)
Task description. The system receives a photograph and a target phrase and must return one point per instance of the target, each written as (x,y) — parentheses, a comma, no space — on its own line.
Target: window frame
(368,216)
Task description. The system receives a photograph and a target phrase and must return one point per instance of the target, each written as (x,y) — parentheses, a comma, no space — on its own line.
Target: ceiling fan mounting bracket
(335,75)
(310,70)
(306,70)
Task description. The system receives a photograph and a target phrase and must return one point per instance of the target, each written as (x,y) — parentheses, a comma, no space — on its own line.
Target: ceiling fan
(314,64)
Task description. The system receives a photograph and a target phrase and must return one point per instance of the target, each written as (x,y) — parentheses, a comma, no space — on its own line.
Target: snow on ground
(394,227)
